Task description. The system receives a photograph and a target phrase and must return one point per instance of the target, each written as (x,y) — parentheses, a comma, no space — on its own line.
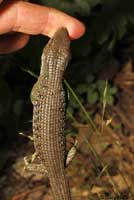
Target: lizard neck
(55,78)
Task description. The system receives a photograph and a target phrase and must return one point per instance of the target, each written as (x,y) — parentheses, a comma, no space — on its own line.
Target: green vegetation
(93,91)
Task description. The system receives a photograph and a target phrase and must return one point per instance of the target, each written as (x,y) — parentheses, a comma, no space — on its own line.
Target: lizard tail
(60,188)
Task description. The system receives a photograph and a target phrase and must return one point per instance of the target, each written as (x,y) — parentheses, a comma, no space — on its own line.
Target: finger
(35,19)
(12,42)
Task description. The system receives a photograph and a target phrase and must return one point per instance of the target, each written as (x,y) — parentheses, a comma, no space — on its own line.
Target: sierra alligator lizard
(48,101)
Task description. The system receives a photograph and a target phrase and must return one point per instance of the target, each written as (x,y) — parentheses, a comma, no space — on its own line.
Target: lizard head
(56,53)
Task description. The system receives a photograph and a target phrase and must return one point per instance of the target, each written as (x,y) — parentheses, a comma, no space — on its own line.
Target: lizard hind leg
(34,167)
(71,153)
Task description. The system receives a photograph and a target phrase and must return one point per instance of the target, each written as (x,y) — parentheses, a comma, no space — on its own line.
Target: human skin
(19,20)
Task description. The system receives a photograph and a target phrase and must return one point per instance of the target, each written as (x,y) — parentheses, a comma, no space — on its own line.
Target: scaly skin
(48,101)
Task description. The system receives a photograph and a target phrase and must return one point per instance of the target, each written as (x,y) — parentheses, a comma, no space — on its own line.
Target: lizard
(48,99)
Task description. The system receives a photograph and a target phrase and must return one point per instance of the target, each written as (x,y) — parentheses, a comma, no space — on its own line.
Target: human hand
(19,19)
